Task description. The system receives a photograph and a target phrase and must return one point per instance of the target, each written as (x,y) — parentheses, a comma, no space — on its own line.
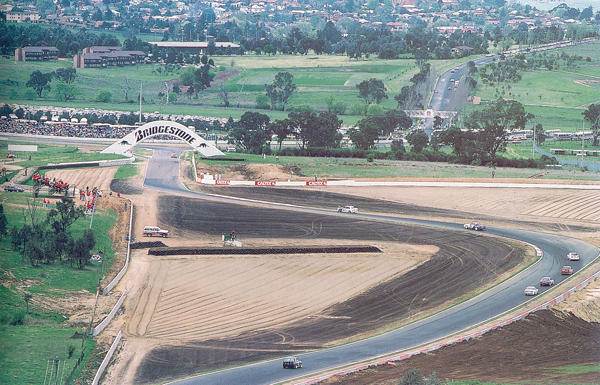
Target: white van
(155,231)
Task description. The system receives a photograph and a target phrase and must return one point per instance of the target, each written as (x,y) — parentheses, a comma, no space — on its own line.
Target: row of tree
(46,240)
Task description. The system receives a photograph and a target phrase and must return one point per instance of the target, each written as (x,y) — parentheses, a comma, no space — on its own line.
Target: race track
(465,261)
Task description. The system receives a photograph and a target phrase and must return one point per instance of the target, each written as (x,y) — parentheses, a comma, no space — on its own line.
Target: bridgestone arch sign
(162,127)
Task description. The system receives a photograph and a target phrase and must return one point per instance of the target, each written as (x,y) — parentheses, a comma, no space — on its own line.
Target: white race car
(531,290)
(474,226)
(573,256)
(347,209)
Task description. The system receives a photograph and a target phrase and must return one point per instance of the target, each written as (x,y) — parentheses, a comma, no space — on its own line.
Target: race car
(531,290)
(347,209)
(573,256)
(546,281)
(474,226)
(292,363)
(566,270)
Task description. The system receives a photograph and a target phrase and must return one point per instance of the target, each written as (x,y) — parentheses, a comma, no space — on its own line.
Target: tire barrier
(147,245)
(261,250)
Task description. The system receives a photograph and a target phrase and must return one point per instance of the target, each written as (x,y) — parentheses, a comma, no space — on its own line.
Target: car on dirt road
(474,226)
(292,363)
(546,281)
(573,256)
(14,189)
(566,270)
(10,155)
(155,231)
(531,290)
(347,209)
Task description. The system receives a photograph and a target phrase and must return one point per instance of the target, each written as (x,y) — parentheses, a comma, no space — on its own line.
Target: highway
(162,175)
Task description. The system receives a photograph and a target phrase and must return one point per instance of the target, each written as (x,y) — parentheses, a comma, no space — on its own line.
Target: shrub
(103,97)
(262,101)
(18,318)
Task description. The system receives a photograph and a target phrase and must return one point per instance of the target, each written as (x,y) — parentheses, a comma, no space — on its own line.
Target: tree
(3,222)
(39,82)
(437,122)
(281,89)
(365,136)
(462,142)
(81,249)
(65,92)
(372,127)
(412,377)
(224,94)
(540,136)
(418,139)
(281,128)
(316,130)
(371,91)
(250,132)
(492,124)
(66,75)
(592,116)
(64,215)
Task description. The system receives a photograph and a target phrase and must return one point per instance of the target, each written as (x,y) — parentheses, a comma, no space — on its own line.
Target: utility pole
(582,141)
(140,103)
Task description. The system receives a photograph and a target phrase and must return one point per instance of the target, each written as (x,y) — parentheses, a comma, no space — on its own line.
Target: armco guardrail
(106,359)
(407,354)
(121,273)
(110,316)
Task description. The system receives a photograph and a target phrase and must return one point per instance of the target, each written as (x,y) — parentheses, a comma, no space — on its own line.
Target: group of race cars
(548,281)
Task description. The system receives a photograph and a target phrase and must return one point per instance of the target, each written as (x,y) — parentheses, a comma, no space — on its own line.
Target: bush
(370,157)
(18,318)
(103,97)
(262,102)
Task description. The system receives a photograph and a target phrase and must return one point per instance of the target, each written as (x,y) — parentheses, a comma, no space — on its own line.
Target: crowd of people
(57,185)
(63,129)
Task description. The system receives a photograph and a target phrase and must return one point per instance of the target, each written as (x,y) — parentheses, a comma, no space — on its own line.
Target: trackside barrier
(121,273)
(110,316)
(352,183)
(404,355)
(106,359)
(99,163)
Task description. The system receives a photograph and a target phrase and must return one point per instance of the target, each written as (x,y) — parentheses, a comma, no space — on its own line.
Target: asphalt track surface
(162,175)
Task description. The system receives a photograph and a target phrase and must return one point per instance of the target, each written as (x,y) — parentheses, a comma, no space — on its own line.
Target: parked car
(292,363)
(155,231)
(546,281)
(566,270)
(14,189)
(474,226)
(531,290)
(347,209)
(573,256)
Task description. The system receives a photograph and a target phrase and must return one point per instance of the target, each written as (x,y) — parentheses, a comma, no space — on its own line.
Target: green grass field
(556,98)
(54,154)
(349,168)
(32,335)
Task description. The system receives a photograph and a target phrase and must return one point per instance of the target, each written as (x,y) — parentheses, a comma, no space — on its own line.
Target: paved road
(162,175)
(442,97)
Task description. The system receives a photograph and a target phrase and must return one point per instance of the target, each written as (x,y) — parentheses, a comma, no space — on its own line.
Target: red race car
(566,270)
